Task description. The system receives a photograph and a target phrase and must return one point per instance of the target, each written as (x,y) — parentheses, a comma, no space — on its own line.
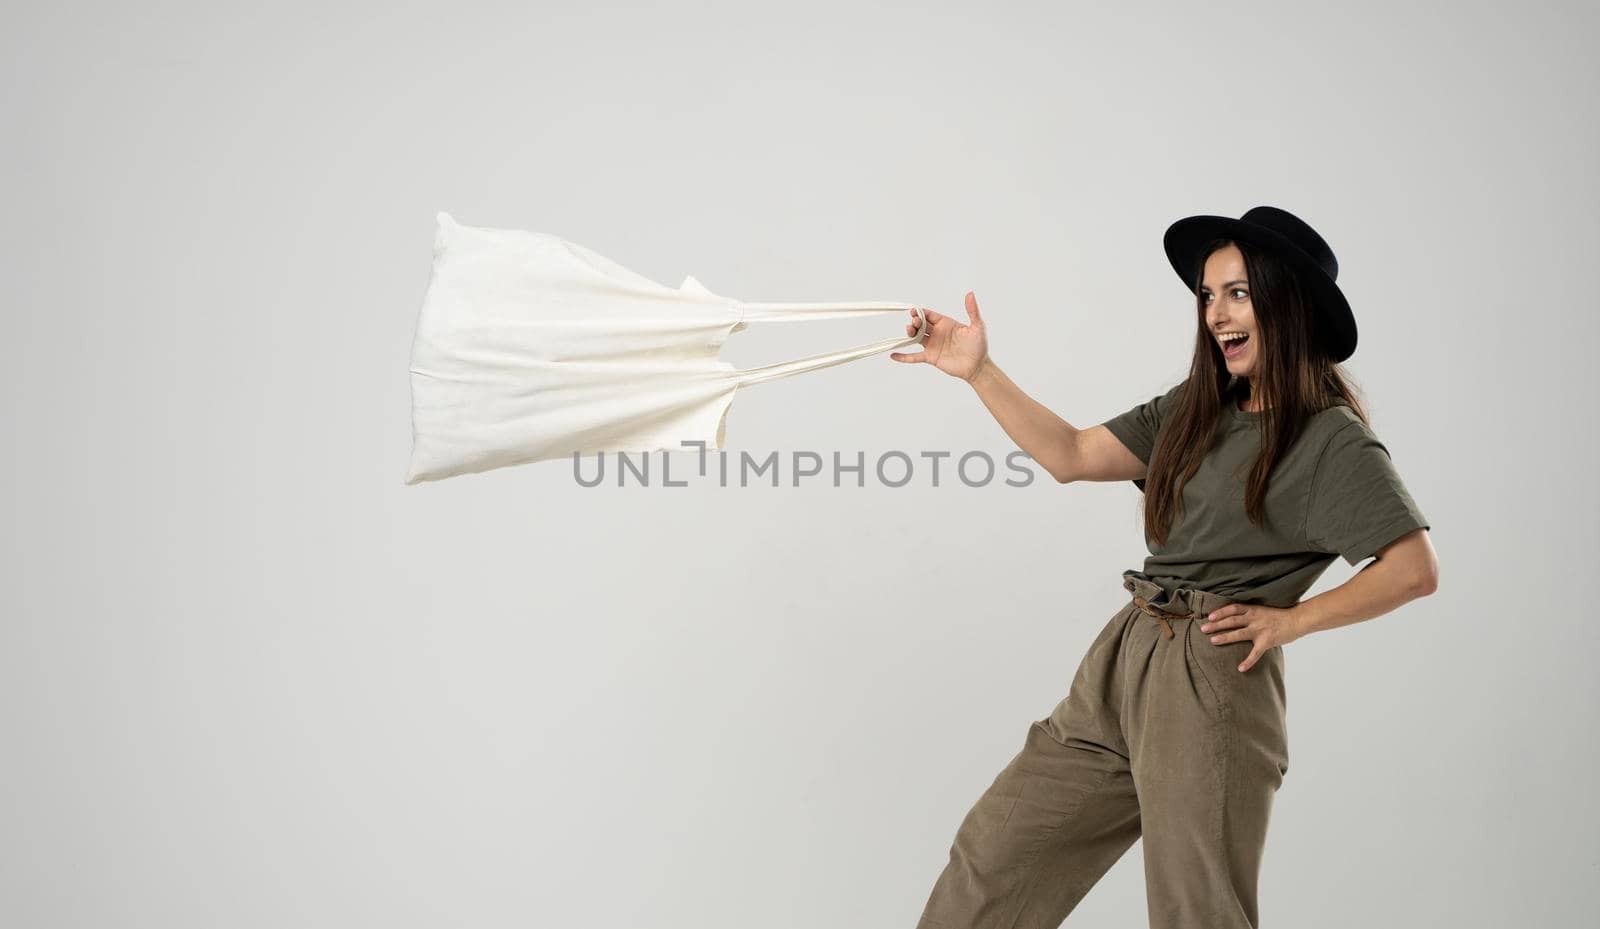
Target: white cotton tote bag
(529,348)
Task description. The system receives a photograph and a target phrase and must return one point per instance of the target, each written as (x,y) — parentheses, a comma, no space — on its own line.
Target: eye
(1241,290)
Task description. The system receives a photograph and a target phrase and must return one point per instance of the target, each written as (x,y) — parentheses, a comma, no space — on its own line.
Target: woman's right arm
(1064,451)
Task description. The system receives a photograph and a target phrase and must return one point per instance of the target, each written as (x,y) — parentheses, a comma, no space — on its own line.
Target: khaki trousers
(1160,736)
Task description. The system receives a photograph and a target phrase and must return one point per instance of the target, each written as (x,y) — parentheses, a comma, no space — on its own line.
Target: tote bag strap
(791,312)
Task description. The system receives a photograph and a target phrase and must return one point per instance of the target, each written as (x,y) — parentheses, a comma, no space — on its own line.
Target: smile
(1233,343)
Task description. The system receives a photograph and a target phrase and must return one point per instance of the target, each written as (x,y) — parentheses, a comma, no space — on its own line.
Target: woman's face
(1225,293)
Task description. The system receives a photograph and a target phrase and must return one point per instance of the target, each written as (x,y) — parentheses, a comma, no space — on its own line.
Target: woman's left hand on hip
(1264,626)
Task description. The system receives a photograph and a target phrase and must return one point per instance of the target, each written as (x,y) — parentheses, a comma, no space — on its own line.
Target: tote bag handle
(790,312)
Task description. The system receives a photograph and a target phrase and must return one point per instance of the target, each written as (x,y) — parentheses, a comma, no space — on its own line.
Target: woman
(1258,470)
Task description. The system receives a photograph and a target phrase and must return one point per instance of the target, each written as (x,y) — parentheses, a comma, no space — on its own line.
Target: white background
(248,678)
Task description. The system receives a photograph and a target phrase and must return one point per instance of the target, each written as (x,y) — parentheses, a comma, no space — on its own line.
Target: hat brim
(1185,238)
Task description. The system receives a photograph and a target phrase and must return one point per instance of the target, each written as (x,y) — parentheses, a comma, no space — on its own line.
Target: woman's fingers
(1227,610)
(911,329)
(915,326)
(935,317)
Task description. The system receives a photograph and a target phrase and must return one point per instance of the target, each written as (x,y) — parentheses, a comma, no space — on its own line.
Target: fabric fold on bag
(529,347)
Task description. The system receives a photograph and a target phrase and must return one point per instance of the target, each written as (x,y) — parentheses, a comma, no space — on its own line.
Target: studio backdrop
(251,677)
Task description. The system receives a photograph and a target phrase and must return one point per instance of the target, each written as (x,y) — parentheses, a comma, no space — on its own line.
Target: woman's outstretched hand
(957,350)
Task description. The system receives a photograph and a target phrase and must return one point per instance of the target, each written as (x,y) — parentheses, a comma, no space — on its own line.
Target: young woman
(1258,470)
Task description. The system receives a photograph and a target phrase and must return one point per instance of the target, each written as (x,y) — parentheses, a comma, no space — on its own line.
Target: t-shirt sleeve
(1359,504)
(1137,428)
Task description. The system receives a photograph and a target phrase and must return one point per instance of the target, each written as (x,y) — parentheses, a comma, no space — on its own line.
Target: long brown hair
(1294,377)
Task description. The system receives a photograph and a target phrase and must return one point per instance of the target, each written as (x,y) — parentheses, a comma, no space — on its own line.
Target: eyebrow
(1228,284)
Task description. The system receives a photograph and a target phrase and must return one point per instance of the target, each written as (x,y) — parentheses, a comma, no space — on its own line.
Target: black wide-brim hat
(1287,237)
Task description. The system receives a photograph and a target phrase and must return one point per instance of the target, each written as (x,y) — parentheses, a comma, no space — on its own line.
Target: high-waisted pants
(1160,736)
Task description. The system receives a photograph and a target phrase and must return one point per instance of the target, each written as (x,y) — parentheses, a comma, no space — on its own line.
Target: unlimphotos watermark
(891,468)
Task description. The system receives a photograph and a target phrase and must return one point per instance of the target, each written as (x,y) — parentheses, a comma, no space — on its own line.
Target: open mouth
(1234,347)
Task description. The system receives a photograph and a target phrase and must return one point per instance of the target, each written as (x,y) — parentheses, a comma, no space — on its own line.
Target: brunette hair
(1294,376)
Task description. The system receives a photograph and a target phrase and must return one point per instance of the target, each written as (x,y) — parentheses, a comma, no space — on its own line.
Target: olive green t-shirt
(1336,493)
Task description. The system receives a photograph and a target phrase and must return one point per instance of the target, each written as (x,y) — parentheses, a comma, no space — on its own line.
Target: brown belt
(1162,615)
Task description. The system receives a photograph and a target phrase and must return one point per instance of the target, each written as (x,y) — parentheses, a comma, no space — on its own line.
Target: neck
(1247,399)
